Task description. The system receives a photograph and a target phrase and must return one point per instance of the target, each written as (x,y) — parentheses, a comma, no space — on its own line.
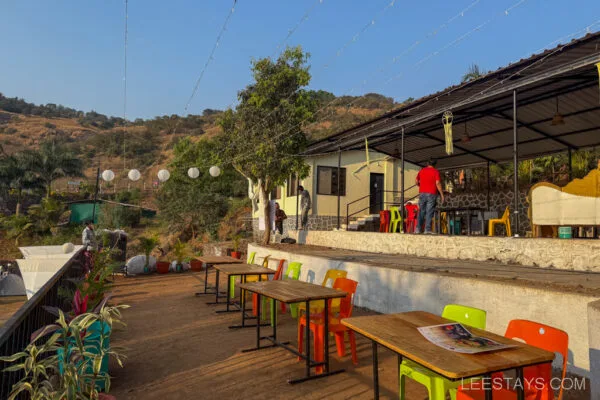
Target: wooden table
(293,291)
(242,270)
(209,261)
(398,332)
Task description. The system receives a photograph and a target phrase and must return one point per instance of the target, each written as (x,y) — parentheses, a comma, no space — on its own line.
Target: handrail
(16,332)
(348,215)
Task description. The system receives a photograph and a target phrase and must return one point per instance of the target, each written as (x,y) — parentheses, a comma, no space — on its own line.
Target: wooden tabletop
(214,260)
(398,332)
(244,269)
(292,291)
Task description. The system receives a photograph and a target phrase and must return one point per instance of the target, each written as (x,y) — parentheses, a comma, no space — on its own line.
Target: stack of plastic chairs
(384,220)
(317,306)
(412,213)
(317,325)
(395,220)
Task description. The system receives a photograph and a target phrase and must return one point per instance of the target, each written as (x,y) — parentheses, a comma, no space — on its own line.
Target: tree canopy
(263,136)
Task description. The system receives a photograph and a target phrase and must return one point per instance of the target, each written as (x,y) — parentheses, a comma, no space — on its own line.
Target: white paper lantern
(134,175)
(163,175)
(193,172)
(108,175)
(214,171)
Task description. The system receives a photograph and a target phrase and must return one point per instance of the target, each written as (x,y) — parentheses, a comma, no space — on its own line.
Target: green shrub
(113,216)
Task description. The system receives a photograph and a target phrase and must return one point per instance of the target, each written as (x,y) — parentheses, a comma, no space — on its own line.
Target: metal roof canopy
(484,107)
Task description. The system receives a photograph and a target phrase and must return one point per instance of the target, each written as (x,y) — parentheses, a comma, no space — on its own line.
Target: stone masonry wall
(315,223)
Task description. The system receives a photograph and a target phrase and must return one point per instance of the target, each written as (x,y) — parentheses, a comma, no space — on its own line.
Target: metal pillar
(487,200)
(402,174)
(339,178)
(570,165)
(516,166)
(297,200)
(96,194)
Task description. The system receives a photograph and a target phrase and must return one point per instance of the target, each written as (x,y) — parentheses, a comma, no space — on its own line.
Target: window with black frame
(276,193)
(327,181)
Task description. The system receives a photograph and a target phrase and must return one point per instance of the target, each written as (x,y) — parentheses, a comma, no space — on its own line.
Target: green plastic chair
(437,385)
(395,219)
(293,272)
(251,257)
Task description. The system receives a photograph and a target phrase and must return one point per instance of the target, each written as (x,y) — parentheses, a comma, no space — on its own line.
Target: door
(376,193)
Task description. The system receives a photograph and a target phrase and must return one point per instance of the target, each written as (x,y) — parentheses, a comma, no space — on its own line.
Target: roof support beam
(538,131)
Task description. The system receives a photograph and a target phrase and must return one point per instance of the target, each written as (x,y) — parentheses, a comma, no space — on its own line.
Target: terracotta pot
(196,265)
(236,254)
(162,267)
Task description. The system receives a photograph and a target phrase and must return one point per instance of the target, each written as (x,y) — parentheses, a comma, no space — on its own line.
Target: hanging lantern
(163,175)
(447,119)
(134,175)
(193,172)
(108,175)
(598,66)
(214,171)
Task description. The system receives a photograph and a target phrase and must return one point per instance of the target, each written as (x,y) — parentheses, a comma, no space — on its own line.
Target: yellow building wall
(357,182)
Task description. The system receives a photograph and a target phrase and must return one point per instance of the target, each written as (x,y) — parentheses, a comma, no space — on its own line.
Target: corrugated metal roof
(566,72)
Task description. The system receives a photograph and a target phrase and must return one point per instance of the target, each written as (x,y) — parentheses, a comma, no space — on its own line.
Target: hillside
(149,143)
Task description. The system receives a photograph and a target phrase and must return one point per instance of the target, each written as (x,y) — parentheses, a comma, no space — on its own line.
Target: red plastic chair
(317,325)
(536,378)
(412,212)
(384,220)
(276,277)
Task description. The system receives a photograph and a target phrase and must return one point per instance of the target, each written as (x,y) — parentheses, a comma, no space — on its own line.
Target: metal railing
(382,203)
(16,332)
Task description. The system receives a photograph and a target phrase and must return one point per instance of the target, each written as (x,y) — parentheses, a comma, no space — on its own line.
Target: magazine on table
(456,337)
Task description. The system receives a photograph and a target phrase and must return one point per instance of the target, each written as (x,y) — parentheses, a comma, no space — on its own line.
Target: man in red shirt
(428,180)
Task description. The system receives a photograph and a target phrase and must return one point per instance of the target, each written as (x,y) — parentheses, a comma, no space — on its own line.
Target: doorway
(376,193)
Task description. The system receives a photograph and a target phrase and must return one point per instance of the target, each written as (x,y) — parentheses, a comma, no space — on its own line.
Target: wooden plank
(292,291)
(244,269)
(398,332)
(215,260)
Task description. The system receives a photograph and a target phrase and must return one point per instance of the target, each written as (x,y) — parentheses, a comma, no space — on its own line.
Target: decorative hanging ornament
(447,119)
(163,175)
(134,175)
(214,171)
(367,152)
(193,172)
(108,175)
(598,66)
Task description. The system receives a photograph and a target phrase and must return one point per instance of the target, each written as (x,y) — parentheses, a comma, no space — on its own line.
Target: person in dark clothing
(280,216)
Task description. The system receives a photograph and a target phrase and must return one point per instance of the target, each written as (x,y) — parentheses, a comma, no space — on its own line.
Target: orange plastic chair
(505,220)
(384,220)
(276,277)
(317,325)
(317,306)
(536,378)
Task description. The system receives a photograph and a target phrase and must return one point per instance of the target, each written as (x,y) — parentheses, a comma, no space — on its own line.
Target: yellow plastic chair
(318,306)
(437,385)
(250,260)
(395,220)
(505,220)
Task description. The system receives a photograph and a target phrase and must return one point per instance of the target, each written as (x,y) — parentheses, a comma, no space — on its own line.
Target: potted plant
(162,267)
(236,246)
(180,251)
(195,264)
(69,363)
(148,244)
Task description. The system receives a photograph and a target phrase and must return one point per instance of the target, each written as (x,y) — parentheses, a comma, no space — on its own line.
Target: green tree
(53,161)
(474,72)
(16,175)
(263,136)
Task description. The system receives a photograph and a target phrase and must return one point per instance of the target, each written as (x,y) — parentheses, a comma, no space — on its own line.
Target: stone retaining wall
(571,254)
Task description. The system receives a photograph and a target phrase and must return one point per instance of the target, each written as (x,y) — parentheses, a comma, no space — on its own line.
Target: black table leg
(375,372)
(307,334)
(521,385)
(326,338)
(216,289)
(205,281)
(257,322)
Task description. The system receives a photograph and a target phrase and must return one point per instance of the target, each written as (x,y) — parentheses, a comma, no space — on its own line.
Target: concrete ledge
(568,254)
(390,290)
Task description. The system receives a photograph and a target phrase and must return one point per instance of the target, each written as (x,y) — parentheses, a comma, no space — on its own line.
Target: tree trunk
(18,208)
(48,189)
(264,200)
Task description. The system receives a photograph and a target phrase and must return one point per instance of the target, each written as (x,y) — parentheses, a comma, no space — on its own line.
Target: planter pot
(196,265)
(92,345)
(178,267)
(162,267)
(236,254)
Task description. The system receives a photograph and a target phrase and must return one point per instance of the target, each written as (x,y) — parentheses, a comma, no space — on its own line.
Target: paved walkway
(560,280)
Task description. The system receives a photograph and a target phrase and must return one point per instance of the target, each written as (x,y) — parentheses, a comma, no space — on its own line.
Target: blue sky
(71,52)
